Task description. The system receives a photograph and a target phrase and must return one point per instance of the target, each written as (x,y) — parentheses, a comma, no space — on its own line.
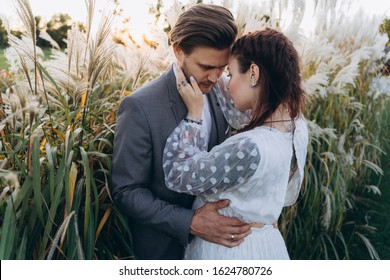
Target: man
(162,221)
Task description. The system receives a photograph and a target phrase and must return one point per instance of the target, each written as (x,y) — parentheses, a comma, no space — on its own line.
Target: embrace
(189,186)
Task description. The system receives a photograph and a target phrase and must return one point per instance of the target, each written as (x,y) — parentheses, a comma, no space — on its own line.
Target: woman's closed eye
(227,72)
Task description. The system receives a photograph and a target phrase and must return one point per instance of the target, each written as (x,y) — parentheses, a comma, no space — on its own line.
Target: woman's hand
(191,94)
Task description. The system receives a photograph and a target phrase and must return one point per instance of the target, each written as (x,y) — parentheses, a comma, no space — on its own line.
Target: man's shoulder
(146,94)
(153,93)
(149,88)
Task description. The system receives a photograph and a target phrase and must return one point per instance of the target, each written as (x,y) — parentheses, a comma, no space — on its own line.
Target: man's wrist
(191,234)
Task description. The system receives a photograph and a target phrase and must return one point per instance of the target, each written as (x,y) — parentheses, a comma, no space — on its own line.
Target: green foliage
(55,152)
(346,140)
(3,60)
(58,28)
(3,35)
(375,211)
(385,28)
(62,209)
(337,178)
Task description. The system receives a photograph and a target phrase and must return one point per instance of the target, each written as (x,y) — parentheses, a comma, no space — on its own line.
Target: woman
(259,169)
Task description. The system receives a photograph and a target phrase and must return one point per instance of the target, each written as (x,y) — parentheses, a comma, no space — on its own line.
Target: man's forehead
(210,58)
(207,65)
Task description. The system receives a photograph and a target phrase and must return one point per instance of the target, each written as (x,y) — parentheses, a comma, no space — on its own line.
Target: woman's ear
(254,72)
(179,54)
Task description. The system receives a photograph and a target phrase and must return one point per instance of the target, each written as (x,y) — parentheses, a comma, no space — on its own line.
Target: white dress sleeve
(233,116)
(190,169)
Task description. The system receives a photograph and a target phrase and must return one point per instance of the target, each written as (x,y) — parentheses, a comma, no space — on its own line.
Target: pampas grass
(56,138)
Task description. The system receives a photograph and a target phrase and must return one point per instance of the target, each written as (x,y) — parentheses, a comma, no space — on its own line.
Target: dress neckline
(274,129)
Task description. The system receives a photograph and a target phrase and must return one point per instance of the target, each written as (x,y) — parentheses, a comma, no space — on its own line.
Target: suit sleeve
(132,174)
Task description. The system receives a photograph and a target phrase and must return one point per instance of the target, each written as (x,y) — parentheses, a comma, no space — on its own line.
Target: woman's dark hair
(204,25)
(280,78)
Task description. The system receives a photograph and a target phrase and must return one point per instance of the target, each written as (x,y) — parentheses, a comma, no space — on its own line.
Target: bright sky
(138,10)
(76,8)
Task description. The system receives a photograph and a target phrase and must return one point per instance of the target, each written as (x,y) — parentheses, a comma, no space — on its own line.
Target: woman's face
(239,86)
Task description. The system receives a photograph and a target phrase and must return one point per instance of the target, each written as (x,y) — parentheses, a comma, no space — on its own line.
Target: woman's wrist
(193,119)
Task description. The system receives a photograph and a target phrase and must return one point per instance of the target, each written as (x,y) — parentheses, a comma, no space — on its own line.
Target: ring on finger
(184,83)
(232,237)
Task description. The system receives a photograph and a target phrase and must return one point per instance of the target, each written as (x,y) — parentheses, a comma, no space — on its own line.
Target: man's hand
(209,225)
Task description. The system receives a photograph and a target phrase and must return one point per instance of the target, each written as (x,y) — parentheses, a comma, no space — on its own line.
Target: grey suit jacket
(159,218)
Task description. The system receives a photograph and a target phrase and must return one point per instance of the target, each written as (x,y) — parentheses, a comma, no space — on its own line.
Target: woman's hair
(204,25)
(280,78)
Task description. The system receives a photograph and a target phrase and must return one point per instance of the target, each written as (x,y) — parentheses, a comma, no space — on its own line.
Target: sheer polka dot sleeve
(189,168)
(233,116)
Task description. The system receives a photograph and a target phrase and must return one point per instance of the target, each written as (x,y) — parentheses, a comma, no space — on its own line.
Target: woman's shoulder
(246,138)
(301,129)
(242,136)
(301,121)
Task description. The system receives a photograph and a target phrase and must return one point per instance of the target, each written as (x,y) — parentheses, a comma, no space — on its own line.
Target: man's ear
(179,54)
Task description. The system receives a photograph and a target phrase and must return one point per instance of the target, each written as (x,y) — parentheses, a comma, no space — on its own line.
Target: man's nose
(214,75)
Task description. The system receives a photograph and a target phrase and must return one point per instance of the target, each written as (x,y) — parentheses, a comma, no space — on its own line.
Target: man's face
(205,64)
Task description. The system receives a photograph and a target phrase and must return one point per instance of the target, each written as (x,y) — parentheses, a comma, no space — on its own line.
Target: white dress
(252,169)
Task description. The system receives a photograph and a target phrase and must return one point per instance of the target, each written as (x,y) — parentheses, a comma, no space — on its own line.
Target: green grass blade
(61,232)
(51,167)
(8,232)
(23,246)
(79,246)
(36,176)
(53,212)
(87,205)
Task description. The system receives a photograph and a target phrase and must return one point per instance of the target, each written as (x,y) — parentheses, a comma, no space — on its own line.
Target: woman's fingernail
(192,79)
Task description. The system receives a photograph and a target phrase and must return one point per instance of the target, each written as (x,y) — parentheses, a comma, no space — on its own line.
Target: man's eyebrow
(206,66)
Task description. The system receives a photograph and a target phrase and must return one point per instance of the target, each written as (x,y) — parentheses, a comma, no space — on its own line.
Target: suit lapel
(178,107)
(219,128)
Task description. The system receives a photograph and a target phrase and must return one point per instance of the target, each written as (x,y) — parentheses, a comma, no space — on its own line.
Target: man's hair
(204,25)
